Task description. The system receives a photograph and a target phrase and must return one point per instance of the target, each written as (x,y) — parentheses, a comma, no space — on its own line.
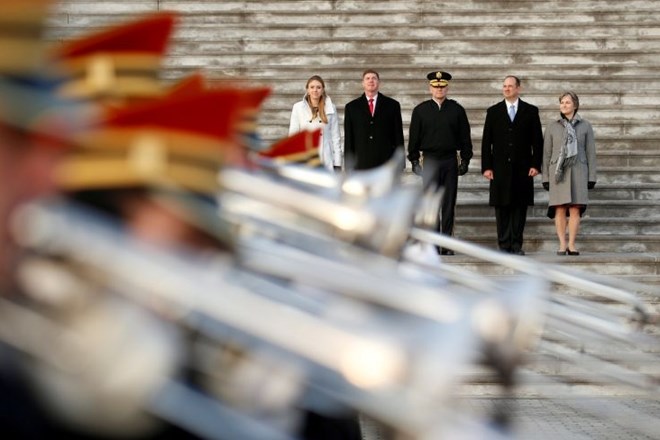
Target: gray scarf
(568,152)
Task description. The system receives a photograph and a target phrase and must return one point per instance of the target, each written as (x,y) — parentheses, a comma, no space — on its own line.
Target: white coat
(332,149)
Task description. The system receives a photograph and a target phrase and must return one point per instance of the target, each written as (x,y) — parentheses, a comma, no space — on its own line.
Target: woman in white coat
(315,111)
(569,169)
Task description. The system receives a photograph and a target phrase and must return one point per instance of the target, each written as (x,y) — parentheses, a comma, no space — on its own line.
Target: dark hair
(515,78)
(370,71)
(574,98)
(321,110)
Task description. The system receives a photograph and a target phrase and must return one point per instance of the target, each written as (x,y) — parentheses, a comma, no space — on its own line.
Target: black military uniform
(439,130)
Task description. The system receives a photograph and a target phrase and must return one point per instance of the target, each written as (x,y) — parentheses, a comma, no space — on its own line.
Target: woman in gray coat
(569,169)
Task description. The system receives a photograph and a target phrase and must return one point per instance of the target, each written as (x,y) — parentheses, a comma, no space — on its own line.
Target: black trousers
(510,226)
(322,427)
(443,174)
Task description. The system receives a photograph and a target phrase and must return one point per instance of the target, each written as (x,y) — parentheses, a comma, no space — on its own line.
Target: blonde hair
(321,109)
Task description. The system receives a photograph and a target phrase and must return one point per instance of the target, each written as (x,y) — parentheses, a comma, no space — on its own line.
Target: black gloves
(591,185)
(416,167)
(463,167)
(546,186)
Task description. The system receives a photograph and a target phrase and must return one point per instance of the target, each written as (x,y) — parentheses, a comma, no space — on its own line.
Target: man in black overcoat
(511,155)
(372,130)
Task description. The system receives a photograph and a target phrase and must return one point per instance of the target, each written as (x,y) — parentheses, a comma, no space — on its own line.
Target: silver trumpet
(607,331)
(604,338)
(91,288)
(294,239)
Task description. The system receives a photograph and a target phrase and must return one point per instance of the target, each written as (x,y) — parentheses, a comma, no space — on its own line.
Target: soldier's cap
(438,78)
(22,46)
(120,61)
(190,85)
(28,103)
(300,148)
(253,98)
(178,142)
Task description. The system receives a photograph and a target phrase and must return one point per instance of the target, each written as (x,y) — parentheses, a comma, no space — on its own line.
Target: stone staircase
(607,51)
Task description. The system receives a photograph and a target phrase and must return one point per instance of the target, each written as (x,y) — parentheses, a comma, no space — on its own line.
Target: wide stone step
(624,227)
(613,175)
(643,264)
(395,16)
(476,95)
(369,42)
(406,59)
(608,156)
(588,244)
(648,192)
(630,209)
(595,7)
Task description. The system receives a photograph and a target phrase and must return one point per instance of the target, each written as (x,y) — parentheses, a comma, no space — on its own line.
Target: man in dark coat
(439,128)
(511,155)
(373,128)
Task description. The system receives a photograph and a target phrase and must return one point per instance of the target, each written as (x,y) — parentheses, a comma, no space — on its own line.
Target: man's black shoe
(447,252)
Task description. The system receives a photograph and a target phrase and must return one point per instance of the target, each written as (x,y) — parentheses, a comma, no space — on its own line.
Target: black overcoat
(510,149)
(370,141)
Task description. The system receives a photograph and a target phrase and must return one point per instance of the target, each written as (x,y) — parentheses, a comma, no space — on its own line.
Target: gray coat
(573,188)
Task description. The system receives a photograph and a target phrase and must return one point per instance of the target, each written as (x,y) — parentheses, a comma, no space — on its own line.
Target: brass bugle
(546,271)
(380,223)
(192,287)
(357,185)
(60,365)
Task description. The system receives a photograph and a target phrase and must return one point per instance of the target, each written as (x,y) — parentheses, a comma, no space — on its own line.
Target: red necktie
(371,106)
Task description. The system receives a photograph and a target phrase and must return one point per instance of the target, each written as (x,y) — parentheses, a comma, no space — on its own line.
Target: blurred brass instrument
(321,307)
(599,325)
(396,366)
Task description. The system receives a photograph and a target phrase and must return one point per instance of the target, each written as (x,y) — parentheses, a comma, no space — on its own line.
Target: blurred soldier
(36,125)
(34,130)
(119,64)
(154,168)
(151,169)
(299,148)
(150,165)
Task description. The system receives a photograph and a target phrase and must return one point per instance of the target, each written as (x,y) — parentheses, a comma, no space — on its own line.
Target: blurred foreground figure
(118,65)
(35,128)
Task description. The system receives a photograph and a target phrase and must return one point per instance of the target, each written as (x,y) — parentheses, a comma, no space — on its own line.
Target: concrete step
(608,157)
(476,96)
(648,192)
(595,7)
(623,227)
(368,42)
(587,244)
(377,16)
(603,209)
(631,265)
(404,59)
(610,175)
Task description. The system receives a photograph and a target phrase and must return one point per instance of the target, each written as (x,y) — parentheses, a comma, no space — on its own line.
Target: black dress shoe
(562,252)
(447,252)
(570,252)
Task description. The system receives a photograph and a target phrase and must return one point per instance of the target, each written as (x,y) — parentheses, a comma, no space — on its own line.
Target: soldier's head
(35,123)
